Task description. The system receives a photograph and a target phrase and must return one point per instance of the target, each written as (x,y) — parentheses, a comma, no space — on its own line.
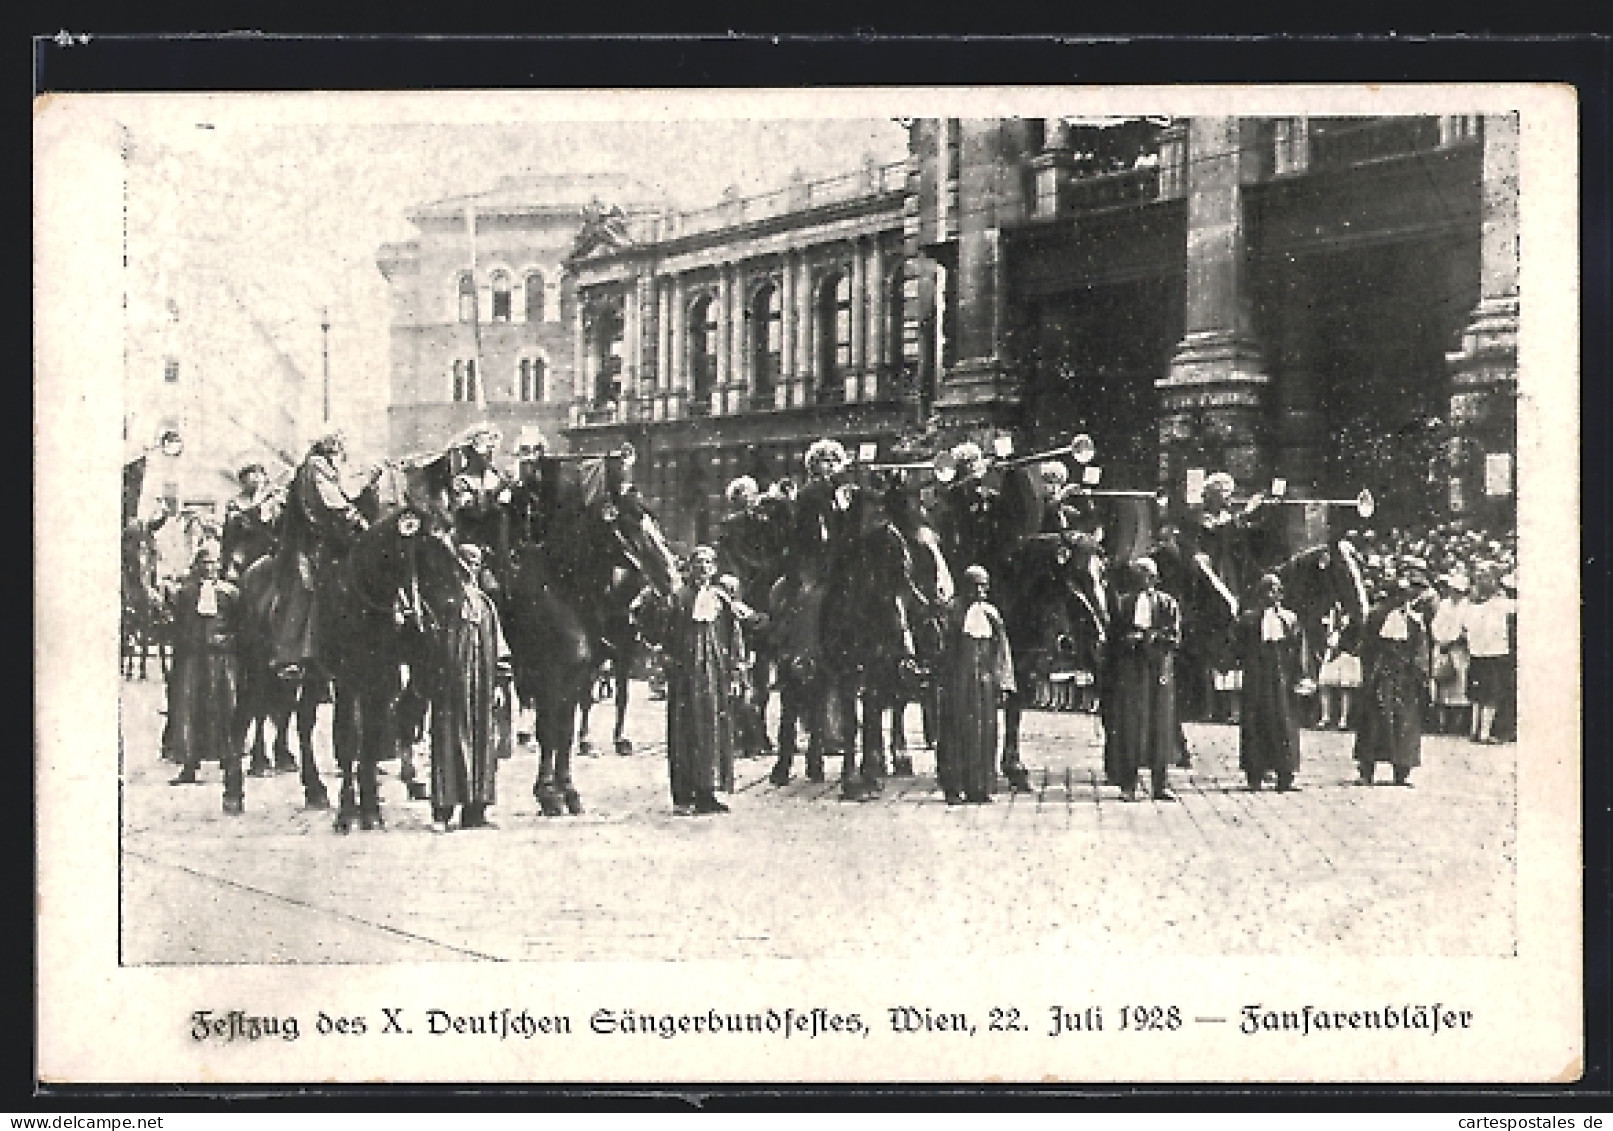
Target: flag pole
(479,378)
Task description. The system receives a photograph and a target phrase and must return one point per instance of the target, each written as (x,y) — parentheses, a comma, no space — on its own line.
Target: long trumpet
(1081,450)
(1363,504)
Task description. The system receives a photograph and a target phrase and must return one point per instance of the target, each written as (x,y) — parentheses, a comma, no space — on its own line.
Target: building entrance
(1361,392)
(1093,356)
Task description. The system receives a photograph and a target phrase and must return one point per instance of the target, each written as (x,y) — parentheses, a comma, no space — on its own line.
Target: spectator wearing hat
(205,676)
(1490,627)
(1450,660)
(976,678)
(1394,663)
(1339,676)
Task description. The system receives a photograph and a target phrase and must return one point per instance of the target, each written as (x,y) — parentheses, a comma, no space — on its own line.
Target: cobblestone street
(794,872)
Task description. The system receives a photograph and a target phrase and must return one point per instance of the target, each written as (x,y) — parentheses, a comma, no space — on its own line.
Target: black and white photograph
(1042,584)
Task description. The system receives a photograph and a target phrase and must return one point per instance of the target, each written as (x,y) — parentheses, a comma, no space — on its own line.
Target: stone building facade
(1327,301)
(493,341)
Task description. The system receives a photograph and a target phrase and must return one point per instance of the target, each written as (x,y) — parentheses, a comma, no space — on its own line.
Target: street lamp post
(324,351)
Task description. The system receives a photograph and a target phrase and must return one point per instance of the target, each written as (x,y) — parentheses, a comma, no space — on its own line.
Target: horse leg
(562,773)
(901,760)
(585,745)
(623,744)
(372,736)
(873,736)
(344,738)
(313,789)
(1019,779)
(555,722)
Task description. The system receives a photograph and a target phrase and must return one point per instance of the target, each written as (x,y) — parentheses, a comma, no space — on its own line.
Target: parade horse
(864,641)
(563,593)
(619,651)
(1052,591)
(932,579)
(366,604)
(145,615)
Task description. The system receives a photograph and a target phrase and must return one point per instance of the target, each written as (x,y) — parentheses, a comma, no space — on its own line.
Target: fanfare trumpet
(1081,449)
(1363,504)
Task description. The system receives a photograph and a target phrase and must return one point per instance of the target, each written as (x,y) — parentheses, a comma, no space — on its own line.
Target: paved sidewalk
(795,873)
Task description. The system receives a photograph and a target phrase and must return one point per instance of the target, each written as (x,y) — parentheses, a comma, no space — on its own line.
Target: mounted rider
(969,532)
(480,493)
(250,520)
(320,524)
(822,513)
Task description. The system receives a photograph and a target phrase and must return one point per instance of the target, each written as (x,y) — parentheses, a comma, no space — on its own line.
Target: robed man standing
(1270,648)
(1139,702)
(976,676)
(704,651)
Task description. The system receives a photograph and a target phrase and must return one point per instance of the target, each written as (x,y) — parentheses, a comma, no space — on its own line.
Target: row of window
(529,383)
(833,304)
(502,286)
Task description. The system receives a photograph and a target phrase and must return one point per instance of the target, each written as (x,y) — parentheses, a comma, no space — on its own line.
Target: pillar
(805,339)
(725,290)
(1213,400)
(738,343)
(1484,371)
(875,375)
(632,349)
(991,190)
(859,321)
(678,372)
(787,313)
(580,384)
(663,345)
(1053,168)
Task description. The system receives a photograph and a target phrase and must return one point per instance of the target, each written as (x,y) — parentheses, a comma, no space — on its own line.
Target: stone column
(1214,398)
(787,318)
(859,322)
(1484,371)
(725,289)
(875,373)
(581,390)
(663,345)
(806,371)
(632,349)
(678,372)
(993,153)
(738,344)
(1053,168)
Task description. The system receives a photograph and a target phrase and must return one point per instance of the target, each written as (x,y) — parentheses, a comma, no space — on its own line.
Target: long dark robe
(1394,680)
(702,660)
(205,677)
(464,735)
(973,675)
(1268,736)
(1139,702)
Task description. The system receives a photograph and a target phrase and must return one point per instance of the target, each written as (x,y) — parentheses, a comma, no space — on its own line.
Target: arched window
(531,379)
(534,297)
(834,335)
(767,341)
(467,297)
(501,296)
(702,354)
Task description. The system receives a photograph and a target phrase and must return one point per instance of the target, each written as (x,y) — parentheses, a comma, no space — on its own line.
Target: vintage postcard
(1032,585)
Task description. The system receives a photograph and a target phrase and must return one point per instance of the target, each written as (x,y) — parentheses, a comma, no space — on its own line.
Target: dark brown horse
(565,594)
